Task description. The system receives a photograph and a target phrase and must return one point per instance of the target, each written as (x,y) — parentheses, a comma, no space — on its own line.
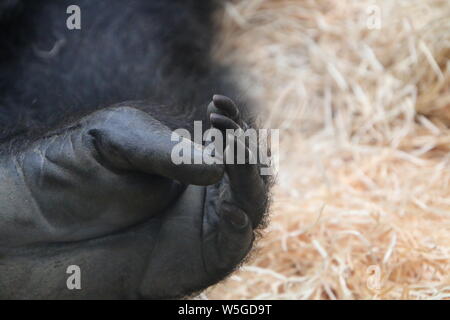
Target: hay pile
(362,205)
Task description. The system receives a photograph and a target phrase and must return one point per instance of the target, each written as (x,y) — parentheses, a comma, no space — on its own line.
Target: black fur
(145,50)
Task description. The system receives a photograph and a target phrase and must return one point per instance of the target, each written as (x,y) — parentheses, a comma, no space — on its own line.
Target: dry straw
(362,202)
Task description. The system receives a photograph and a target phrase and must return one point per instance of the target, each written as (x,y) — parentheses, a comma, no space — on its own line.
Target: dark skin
(203,234)
(100,191)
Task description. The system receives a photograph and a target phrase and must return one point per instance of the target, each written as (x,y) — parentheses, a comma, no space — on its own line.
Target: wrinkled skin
(105,195)
(100,190)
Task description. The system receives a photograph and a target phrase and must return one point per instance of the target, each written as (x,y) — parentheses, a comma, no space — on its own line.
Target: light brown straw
(362,203)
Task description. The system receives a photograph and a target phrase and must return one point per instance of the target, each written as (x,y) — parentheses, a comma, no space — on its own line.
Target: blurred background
(360,91)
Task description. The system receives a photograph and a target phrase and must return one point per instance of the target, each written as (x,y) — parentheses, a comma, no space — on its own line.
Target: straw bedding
(361,208)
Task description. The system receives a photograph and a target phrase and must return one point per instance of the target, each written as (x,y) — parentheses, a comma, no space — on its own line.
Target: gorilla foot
(104,194)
